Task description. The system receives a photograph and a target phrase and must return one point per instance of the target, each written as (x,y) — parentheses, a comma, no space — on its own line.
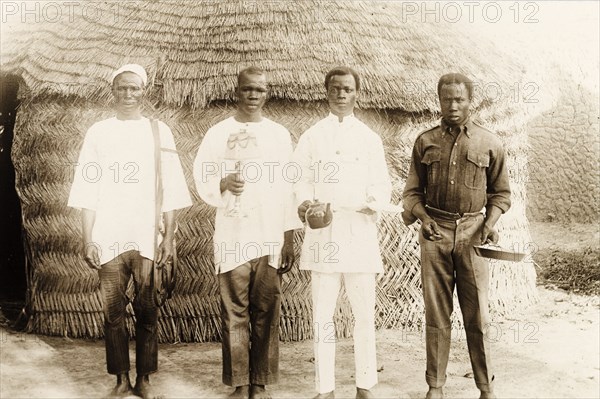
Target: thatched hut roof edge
(193,54)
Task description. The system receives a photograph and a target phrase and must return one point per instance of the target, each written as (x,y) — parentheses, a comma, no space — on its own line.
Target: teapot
(319,215)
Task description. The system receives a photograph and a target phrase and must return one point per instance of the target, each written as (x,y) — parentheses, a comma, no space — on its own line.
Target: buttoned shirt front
(458,170)
(342,163)
(267,199)
(115,177)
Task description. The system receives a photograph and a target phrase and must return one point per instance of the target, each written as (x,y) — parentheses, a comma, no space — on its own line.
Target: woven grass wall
(63,292)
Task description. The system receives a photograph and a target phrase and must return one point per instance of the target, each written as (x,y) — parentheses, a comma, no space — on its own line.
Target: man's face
(251,93)
(128,91)
(341,94)
(455,103)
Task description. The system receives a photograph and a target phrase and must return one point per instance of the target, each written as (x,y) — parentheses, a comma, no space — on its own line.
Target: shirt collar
(467,128)
(347,118)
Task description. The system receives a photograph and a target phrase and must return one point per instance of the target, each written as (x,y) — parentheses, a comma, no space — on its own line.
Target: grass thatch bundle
(193,55)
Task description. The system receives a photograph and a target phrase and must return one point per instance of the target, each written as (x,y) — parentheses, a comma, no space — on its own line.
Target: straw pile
(193,55)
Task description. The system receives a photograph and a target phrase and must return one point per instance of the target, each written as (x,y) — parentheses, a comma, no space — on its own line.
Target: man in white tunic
(343,164)
(254,249)
(114,186)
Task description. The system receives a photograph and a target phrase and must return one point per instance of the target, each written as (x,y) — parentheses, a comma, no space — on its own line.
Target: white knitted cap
(135,68)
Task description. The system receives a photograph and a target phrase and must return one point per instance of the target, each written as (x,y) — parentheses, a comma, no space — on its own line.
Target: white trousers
(360,288)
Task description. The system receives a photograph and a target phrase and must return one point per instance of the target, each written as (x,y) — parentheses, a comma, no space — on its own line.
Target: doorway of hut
(13,282)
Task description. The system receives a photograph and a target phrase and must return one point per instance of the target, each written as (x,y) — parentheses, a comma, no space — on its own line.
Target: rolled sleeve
(291,220)
(381,185)
(207,172)
(414,189)
(304,186)
(498,185)
(85,189)
(176,194)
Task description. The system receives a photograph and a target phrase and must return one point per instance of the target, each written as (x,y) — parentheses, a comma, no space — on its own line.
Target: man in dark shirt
(458,187)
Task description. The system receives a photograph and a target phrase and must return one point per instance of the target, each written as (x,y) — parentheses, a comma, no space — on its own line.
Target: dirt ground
(551,350)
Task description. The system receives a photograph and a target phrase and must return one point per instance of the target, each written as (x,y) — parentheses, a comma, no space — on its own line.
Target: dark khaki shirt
(457,170)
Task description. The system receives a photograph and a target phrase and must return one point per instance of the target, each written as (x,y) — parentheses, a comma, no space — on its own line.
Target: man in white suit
(343,164)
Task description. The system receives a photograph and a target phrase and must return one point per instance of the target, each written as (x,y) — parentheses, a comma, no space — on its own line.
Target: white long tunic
(115,178)
(342,163)
(267,199)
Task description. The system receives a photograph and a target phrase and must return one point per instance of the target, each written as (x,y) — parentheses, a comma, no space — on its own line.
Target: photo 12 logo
(491,92)
(93,172)
(69,11)
(469,11)
(272,171)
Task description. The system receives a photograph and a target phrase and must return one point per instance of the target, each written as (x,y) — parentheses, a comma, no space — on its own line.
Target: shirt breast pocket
(431,160)
(475,171)
(355,168)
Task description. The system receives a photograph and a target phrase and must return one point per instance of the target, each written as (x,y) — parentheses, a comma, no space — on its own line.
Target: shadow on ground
(551,350)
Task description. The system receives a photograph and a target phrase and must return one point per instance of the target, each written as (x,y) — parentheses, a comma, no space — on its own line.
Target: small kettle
(319,215)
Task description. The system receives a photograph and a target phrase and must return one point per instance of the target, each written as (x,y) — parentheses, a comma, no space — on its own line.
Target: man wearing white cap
(115,188)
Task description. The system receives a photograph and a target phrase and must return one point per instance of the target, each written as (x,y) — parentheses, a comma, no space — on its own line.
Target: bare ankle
(122,388)
(241,391)
(259,392)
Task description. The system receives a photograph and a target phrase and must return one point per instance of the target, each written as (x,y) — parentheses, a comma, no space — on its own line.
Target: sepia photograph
(299,199)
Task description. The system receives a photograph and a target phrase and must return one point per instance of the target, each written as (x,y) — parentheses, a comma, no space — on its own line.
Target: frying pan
(495,251)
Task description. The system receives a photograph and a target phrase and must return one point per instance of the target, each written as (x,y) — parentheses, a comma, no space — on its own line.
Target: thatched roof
(193,51)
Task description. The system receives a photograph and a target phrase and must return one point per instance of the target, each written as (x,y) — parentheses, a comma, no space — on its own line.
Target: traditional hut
(193,54)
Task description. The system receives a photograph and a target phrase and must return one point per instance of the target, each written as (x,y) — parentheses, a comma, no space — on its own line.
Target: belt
(435,212)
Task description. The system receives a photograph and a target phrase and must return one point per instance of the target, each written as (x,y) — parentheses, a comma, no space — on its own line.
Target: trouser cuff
(262,379)
(113,372)
(366,387)
(435,382)
(142,373)
(487,386)
(326,390)
(236,381)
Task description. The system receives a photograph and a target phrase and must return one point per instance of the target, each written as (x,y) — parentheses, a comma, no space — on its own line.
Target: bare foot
(241,392)
(362,393)
(144,389)
(435,393)
(259,392)
(487,395)
(123,387)
(326,395)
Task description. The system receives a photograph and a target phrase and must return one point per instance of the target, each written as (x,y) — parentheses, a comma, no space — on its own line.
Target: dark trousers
(114,277)
(250,302)
(444,264)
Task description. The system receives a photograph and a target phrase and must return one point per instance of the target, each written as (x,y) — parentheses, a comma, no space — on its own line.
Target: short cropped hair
(455,78)
(342,70)
(251,70)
